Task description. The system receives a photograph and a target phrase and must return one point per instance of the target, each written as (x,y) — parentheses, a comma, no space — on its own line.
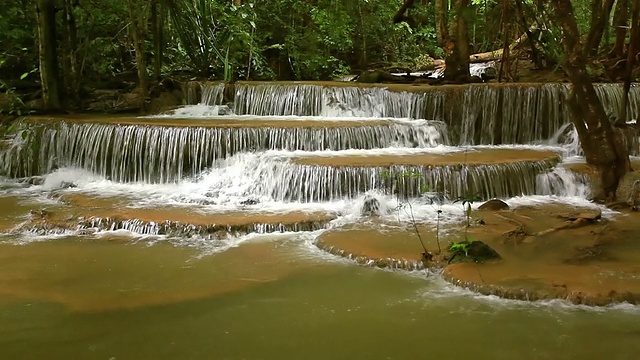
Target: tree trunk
(506,22)
(632,51)
(70,49)
(620,23)
(535,54)
(138,31)
(156,32)
(600,13)
(442,31)
(456,44)
(49,74)
(602,145)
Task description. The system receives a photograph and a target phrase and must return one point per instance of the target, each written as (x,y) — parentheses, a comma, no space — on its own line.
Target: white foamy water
(567,138)
(195,111)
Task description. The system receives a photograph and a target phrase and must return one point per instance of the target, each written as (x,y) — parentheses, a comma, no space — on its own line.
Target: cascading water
(258,149)
(316,100)
(158,154)
(475,114)
(563,182)
(287,181)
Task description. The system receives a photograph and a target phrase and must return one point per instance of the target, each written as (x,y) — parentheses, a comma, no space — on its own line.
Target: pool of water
(274,297)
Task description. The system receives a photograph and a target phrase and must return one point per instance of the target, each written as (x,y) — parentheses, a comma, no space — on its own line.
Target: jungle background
(84,45)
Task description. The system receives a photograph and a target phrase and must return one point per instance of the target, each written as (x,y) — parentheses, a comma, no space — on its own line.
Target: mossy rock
(471,251)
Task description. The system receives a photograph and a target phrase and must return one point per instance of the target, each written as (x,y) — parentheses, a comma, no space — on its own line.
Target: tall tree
(452,34)
(157,32)
(49,73)
(603,145)
(600,14)
(69,50)
(453,38)
(620,23)
(632,52)
(138,28)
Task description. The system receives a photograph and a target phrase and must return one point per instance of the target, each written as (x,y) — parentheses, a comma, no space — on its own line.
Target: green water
(273,298)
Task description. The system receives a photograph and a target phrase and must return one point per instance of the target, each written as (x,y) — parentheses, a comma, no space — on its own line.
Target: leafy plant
(459,248)
(466,201)
(16,106)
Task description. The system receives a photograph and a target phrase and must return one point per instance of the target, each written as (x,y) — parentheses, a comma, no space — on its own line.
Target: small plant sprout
(459,248)
(466,202)
(401,178)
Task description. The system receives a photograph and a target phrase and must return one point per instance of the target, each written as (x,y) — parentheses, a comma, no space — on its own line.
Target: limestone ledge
(552,251)
(513,293)
(87,226)
(384,263)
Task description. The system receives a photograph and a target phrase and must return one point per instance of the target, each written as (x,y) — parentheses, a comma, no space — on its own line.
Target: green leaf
(24,76)
(24,135)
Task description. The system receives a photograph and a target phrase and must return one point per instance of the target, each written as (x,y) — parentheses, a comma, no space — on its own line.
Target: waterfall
(611,96)
(282,179)
(213,94)
(317,100)
(567,137)
(159,154)
(258,152)
(476,114)
(563,182)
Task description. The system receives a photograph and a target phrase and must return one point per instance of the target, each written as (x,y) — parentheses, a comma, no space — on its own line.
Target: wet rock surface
(363,243)
(538,252)
(83,214)
(494,205)
(471,251)
(370,206)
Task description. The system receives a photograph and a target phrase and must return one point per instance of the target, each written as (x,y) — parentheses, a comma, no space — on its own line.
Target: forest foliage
(260,39)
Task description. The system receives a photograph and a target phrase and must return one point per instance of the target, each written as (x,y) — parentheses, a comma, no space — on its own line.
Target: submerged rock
(67,185)
(250,202)
(370,206)
(224,110)
(590,216)
(34,180)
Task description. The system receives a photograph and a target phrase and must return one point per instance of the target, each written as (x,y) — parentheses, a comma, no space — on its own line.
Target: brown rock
(590,216)
(494,205)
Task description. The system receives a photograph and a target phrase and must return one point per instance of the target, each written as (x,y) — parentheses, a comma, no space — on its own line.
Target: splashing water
(563,182)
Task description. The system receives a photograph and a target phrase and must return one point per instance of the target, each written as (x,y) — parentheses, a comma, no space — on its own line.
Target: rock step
(86,226)
(483,175)
(159,150)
